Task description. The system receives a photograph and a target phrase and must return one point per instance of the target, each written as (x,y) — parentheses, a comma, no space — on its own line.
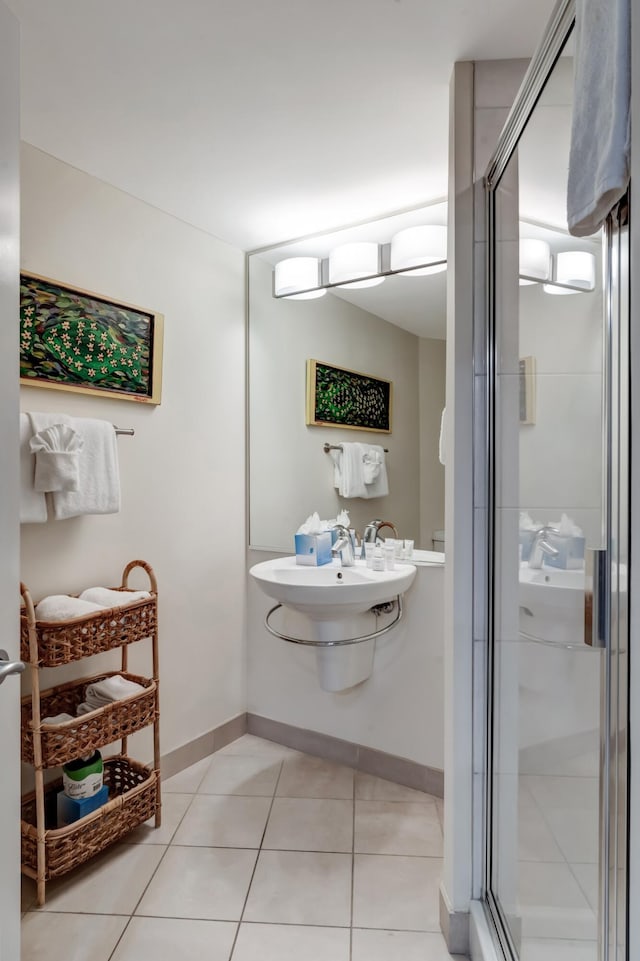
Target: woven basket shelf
(60,642)
(132,800)
(81,736)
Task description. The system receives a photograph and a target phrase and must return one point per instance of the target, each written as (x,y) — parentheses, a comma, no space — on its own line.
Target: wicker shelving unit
(134,789)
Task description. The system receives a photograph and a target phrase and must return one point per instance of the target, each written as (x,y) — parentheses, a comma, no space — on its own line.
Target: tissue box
(313,550)
(71,809)
(526,543)
(570,552)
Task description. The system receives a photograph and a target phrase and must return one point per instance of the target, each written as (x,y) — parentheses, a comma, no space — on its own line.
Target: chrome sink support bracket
(348,640)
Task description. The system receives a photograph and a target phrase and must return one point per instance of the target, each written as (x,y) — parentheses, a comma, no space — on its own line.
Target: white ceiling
(259,121)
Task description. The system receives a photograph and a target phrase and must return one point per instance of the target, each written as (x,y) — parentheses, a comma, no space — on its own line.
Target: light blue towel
(600,130)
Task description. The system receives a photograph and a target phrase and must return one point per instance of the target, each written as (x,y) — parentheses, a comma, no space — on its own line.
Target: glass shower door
(557,558)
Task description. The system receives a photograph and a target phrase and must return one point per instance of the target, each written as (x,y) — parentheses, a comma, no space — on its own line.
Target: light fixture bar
(385,271)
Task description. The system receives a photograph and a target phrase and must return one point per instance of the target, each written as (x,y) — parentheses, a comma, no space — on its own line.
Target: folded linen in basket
(106,597)
(57,718)
(62,607)
(110,689)
(57,458)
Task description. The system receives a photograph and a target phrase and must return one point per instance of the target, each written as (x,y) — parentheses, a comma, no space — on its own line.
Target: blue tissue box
(526,543)
(72,809)
(570,552)
(313,550)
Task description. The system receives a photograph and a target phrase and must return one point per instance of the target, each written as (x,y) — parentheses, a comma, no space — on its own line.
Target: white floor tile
(371,788)
(174,807)
(111,883)
(399,946)
(187,781)
(552,904)
(394,827)
(69,937)
(207,883)
(224,821)
(165,939)
(553,950)
(305,776)
(396,892)
(295,887)
(236,774)
(252,746)
(290,942)
(587,877)
(535,840)
(310,824)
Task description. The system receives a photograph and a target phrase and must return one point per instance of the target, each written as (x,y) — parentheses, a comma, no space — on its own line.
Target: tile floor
(264,854)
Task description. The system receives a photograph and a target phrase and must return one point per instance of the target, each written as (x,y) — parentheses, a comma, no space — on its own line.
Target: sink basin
(331,591)
(552,605)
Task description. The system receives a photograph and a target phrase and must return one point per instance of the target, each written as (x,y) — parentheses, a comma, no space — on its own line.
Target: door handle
(596,593)
(8,667)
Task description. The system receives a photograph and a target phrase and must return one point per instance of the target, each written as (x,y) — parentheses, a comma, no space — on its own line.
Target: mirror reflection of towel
(374,466)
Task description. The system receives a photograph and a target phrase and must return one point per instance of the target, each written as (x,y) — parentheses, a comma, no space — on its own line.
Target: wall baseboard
(201,747)
(454,926)
(365,759)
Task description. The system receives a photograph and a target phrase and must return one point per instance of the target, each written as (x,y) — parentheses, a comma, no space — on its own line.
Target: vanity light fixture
(423,248)
(575,270)
(351,261)
(535,261)
(298,278)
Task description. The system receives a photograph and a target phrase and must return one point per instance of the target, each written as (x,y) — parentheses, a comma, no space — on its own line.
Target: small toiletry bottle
(378,559)
(369,551)
(389,557)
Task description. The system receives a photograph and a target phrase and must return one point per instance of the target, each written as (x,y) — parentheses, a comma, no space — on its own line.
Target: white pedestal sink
(336,602)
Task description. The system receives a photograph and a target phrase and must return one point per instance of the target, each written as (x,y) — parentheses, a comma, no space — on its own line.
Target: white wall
(183,473)
(290,475)
(9,629)
(399,709)
(431,386)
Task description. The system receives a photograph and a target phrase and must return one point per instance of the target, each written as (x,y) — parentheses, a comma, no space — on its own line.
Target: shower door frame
(614,708)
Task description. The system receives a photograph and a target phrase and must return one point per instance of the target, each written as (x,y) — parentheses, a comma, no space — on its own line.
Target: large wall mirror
(394,331)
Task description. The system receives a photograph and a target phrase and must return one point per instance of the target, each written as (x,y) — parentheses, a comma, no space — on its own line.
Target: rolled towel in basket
(109,690)
(106,597)
(62,607)
(58,718)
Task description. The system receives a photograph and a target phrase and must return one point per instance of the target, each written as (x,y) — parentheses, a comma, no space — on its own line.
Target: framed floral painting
(73,339)
(338,397)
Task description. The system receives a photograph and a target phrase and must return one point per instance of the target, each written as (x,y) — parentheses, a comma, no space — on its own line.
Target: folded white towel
(110,689)
(57,718)
(375,466)
(84,708)
(99,481)
(105,597)
(33,504)
(352,471)
(600,130)
(61,607)
(336,457)
(57,458)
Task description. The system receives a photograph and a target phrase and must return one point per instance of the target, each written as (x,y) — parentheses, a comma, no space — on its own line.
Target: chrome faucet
(372,530)
(541,546)
(343,547)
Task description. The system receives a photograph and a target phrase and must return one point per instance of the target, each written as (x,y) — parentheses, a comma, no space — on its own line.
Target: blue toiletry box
(313,550)
(570,554)
(70,809)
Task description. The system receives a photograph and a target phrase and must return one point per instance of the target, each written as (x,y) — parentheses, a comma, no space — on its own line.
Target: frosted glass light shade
(414,246)
(348,262)
(298,273)
(575,267)
(535,261)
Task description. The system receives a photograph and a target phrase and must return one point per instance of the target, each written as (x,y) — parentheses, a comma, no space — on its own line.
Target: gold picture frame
(76,340)
(339,397)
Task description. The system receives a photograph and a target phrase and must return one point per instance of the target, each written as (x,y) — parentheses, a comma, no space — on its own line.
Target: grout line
(255,866)
(353,867)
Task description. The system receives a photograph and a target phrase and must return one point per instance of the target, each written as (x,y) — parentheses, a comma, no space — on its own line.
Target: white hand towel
(99,483)
(379,486)
(61,607)
(600,129)
(110,689)
(57,458)
(336,457)
(105,597)
(58,719)
(33,504)
(442,440)
(352,475)
(372,461)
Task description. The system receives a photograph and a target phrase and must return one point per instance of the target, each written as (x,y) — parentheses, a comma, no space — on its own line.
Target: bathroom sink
(330,591)
(552,604)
